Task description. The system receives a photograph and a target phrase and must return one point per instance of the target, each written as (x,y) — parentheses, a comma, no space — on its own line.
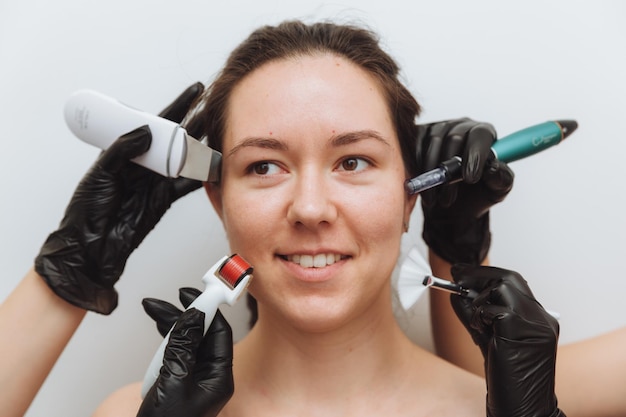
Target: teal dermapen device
(510,148)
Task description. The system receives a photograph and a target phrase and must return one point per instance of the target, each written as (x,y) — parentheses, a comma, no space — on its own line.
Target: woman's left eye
(353,164)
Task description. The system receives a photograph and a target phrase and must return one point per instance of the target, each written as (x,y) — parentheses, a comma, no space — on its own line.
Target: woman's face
(312,190)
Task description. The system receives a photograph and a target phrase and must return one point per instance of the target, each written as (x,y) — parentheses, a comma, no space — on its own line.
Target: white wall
(513,64)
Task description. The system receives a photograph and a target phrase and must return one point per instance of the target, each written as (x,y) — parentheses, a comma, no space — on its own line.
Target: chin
(320,314)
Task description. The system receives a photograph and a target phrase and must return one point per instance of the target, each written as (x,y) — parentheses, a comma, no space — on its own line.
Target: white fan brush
(410,285)
(416,276)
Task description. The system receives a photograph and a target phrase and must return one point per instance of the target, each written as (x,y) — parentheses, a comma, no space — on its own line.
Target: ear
(408,207)
(214,192)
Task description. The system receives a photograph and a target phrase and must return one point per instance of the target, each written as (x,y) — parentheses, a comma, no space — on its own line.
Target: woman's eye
(264,168)
(353,164)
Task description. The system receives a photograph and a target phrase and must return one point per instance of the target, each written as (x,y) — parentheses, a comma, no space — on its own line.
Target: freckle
(271,133)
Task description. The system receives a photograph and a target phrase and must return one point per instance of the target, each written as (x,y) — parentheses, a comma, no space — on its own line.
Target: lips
(315,261)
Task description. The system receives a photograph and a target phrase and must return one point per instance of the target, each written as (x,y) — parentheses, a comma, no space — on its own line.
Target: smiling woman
(185,41)
(318,136)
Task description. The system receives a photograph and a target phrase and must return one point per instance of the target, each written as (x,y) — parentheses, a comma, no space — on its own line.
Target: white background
(513,64)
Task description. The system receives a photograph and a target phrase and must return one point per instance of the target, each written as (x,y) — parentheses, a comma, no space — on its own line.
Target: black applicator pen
(518,145)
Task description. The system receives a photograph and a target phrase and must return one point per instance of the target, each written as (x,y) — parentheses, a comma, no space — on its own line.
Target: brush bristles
(233,270)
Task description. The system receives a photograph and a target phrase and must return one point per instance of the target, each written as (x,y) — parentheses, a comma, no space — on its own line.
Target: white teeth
(306,261)
(318,261)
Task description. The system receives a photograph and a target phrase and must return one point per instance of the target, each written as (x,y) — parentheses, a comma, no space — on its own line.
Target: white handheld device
(99,120)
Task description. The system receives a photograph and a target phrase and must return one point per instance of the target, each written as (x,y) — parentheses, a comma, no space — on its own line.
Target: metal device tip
(568,127)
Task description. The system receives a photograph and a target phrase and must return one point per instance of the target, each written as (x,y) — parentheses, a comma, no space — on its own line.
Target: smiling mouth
(314,261)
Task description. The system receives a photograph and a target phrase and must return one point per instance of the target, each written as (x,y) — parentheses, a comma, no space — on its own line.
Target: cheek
(249,222)
(385,225)
(380,212)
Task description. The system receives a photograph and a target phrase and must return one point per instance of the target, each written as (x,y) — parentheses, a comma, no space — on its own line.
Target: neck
(324,367)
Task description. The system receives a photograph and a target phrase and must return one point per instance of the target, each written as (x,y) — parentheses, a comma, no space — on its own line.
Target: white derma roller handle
(215,294)
(99,120)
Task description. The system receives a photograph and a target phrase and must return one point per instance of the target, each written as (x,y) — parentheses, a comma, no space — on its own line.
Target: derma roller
(225,283)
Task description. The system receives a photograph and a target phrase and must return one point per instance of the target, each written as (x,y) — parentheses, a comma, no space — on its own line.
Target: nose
(312,203)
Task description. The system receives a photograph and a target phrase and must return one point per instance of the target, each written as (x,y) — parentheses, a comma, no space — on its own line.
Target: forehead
(322,91)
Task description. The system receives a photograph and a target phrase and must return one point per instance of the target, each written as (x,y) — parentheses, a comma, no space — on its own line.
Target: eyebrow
(342,139)
(348,138)
(259,142)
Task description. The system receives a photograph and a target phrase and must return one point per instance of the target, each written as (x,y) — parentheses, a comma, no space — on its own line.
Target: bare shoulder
(440,388)
(123,402)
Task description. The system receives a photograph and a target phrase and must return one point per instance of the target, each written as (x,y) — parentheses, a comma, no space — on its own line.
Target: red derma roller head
(234,269)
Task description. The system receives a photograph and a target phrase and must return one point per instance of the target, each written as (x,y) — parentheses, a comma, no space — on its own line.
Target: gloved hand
(456,216)
(196,378)
(517,337)
(113,208)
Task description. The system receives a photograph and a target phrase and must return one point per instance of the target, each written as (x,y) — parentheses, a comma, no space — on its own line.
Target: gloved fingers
(505,300)
(214,362)
(471,141)
(463,307)
(453,145)
(476,277)
(478,313)
(530,319)
(421,146)
(512,326)
(433,145)
(511,290)
(187,295)
(498,178)
(183,186)
(429,155)
(446,194)
(179,359)
(477,151)
(177,110)
(163,313)
(442,141)
(126,147)
(455,139)
(220,335)
(494,285)
(484,315)
(166,314)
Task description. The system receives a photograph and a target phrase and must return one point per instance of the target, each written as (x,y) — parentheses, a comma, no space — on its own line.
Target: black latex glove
(517,337)
(164,314)
(456,216)
(113,208)
(196,378)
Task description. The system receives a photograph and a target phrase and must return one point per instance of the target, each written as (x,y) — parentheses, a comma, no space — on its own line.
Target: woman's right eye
(264,168)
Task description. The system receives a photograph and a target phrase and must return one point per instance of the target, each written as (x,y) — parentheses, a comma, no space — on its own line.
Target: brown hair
(295,38)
